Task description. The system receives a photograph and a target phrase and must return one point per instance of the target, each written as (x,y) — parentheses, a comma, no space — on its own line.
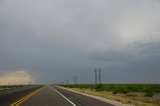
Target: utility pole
(97,76)
(76,78)
(67,82)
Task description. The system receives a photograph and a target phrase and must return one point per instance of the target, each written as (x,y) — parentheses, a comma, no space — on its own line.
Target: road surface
(55,96)
(9,96)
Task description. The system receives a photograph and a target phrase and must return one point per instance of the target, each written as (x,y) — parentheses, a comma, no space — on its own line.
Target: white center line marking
(64,96)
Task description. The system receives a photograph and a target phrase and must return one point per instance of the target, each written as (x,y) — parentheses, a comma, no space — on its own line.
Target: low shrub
(149,94)
(99,87)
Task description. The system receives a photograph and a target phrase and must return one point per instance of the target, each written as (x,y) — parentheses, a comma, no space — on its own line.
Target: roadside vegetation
(148,89)
(138,94)
(4,87)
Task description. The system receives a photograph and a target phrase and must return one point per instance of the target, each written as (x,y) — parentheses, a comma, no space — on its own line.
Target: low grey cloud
(55,40)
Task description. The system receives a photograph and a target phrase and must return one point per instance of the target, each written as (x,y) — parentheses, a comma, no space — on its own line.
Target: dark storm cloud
(55,40)
(138,61)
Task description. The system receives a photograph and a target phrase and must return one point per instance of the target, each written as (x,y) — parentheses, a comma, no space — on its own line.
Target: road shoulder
(97,97)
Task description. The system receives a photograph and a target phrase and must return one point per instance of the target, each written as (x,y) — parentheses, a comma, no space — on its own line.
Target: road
(81,100)
(11,95)
(55,96)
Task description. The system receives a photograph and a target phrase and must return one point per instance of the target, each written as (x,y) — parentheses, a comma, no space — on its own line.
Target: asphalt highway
(53,96)
(9,96)
(47,96)
(81,100)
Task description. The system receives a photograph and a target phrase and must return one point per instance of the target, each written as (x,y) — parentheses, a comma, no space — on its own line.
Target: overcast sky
(50,41)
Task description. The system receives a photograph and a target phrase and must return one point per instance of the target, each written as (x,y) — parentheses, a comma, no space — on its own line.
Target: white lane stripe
(64,96)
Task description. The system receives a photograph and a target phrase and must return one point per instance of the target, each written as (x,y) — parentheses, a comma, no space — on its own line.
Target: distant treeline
(12,86)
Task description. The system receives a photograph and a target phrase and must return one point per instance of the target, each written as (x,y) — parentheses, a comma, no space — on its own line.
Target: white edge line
(112,102)
(64,96)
